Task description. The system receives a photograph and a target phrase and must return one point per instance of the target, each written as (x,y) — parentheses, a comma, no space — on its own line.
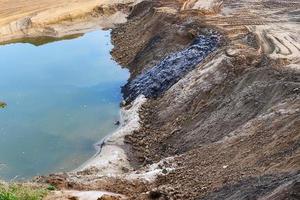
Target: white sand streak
(112,158)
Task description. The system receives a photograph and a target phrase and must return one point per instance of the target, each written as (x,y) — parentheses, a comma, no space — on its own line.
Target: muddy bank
(150,34)
(231,123)
(111,159)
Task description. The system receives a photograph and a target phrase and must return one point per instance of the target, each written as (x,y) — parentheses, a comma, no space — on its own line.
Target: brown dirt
(234,134)
(149,36)
(232,124)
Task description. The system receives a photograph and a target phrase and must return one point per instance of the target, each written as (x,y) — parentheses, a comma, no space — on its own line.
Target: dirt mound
(232,123)
(226,128)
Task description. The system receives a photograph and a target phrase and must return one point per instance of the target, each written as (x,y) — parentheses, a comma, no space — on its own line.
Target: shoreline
(111,157)
(100,15)
(106,138)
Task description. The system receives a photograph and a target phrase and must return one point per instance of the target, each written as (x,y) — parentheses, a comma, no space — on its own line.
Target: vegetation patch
(2,104)
(22,191)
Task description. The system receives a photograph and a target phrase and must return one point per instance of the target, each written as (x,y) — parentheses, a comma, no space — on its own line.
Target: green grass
(22,191)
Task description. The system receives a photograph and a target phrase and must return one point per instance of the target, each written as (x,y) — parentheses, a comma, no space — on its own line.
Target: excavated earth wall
(221,118)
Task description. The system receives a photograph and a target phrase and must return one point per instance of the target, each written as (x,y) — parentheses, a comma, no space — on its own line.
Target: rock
(73,198)
(108,197)
(125,169)
(24,23)
(57,180)
(155,194)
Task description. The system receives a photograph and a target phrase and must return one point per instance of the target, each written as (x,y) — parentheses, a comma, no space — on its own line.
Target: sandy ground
(19,19)
(12,10)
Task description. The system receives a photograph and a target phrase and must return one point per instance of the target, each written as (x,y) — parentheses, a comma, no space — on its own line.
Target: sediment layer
(22,19)
(162,76)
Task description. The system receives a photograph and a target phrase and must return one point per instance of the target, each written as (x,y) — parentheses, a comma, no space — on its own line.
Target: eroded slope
(228,128)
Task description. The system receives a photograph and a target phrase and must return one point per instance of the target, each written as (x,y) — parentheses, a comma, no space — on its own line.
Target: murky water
(61,98)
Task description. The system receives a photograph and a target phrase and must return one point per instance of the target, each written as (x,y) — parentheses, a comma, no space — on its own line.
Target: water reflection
(62,96)
(38,41)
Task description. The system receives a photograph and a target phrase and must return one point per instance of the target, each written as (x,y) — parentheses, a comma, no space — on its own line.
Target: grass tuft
(22,191)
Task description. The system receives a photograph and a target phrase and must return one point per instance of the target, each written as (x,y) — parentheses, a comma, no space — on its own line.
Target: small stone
(164,171)
(108,197)
(125,169)
(73,198)
(155,194)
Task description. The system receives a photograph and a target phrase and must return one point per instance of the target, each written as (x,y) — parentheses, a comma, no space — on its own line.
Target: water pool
(62,97)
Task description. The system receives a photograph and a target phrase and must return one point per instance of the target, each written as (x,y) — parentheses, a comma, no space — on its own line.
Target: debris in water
(2,104)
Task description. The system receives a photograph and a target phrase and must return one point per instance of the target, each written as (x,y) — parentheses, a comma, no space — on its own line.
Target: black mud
(161,77)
